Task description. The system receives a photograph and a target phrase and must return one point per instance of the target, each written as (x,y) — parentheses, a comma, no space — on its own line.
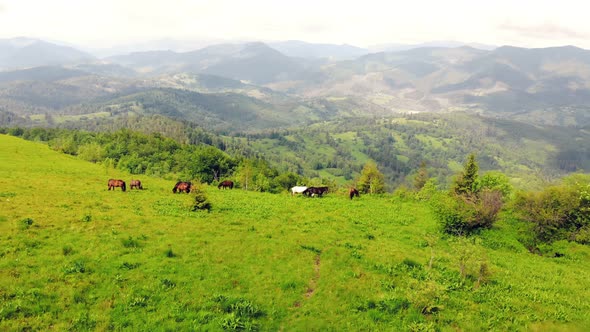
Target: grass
(77,256)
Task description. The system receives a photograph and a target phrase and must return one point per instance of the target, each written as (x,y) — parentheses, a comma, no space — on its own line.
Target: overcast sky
(106,23)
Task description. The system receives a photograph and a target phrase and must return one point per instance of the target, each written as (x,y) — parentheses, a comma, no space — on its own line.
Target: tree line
(156,155)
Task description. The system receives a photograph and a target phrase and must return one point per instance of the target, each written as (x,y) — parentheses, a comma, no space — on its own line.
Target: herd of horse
(187,187)
(115,183)
(179,187)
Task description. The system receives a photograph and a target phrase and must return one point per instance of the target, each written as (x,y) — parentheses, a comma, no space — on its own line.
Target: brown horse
(135,184)
(117,183)
(182,186)
(353,192)
(226,184)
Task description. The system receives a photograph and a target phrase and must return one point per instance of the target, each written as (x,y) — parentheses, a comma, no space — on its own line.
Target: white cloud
(362,23)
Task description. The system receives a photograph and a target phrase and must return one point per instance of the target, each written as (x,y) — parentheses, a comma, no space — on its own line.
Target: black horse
(116,183)
(226,184)
(182,186)
(353,192)
(315,191)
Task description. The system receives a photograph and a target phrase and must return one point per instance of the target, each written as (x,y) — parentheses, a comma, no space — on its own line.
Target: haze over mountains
(289,83)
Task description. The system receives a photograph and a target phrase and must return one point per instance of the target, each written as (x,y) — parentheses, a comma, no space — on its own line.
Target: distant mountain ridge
(545,85)
(255,62)
(301,49)
(26,52)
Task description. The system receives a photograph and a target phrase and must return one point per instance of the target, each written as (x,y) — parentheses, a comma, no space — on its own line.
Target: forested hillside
(531,155)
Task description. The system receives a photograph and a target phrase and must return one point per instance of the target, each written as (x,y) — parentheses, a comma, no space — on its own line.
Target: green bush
(459,215)
(497,181)
(201,202)
(26,223)
(560,212)
(470,206)
(428,190)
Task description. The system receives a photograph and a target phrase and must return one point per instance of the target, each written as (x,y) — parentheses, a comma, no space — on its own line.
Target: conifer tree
(466,183)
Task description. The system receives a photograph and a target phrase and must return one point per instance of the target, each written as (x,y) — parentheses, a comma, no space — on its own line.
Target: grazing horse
(353,192)
(298,190)
(135,184)
(226,184)
(182,186)
(313,191)
(117,183)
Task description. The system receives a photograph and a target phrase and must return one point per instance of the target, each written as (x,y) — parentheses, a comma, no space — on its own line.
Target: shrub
(67,250)
(487,208)
(402,192)
(461,215)
(469,206)
(558,212)
(201,202)
(169,253)
(26,223)
(130,243)
(77,266)
(497,181)
(428,190)
(453,214)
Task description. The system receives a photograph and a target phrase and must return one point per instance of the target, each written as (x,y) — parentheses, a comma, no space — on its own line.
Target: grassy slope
(94,259)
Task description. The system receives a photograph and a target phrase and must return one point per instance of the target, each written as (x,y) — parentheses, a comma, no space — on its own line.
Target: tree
(245,173)
(421,177)
(466,183)
(496,181)
(92,152)
(371,180)
(286,180)
(469,206)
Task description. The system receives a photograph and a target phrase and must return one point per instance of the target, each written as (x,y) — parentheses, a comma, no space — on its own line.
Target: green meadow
(75,256)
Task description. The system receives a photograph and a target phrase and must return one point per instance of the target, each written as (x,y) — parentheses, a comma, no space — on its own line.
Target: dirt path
(313,282)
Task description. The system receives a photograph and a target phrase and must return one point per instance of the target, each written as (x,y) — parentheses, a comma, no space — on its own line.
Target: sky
(108,23)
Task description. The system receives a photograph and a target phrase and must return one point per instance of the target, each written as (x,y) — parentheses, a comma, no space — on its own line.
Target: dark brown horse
(226,184)
(315,191)
(135,184)
(117,183)
(182,186)
(353,192)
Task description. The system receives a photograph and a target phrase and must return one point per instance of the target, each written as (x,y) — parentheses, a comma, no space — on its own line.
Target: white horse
(297,190)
